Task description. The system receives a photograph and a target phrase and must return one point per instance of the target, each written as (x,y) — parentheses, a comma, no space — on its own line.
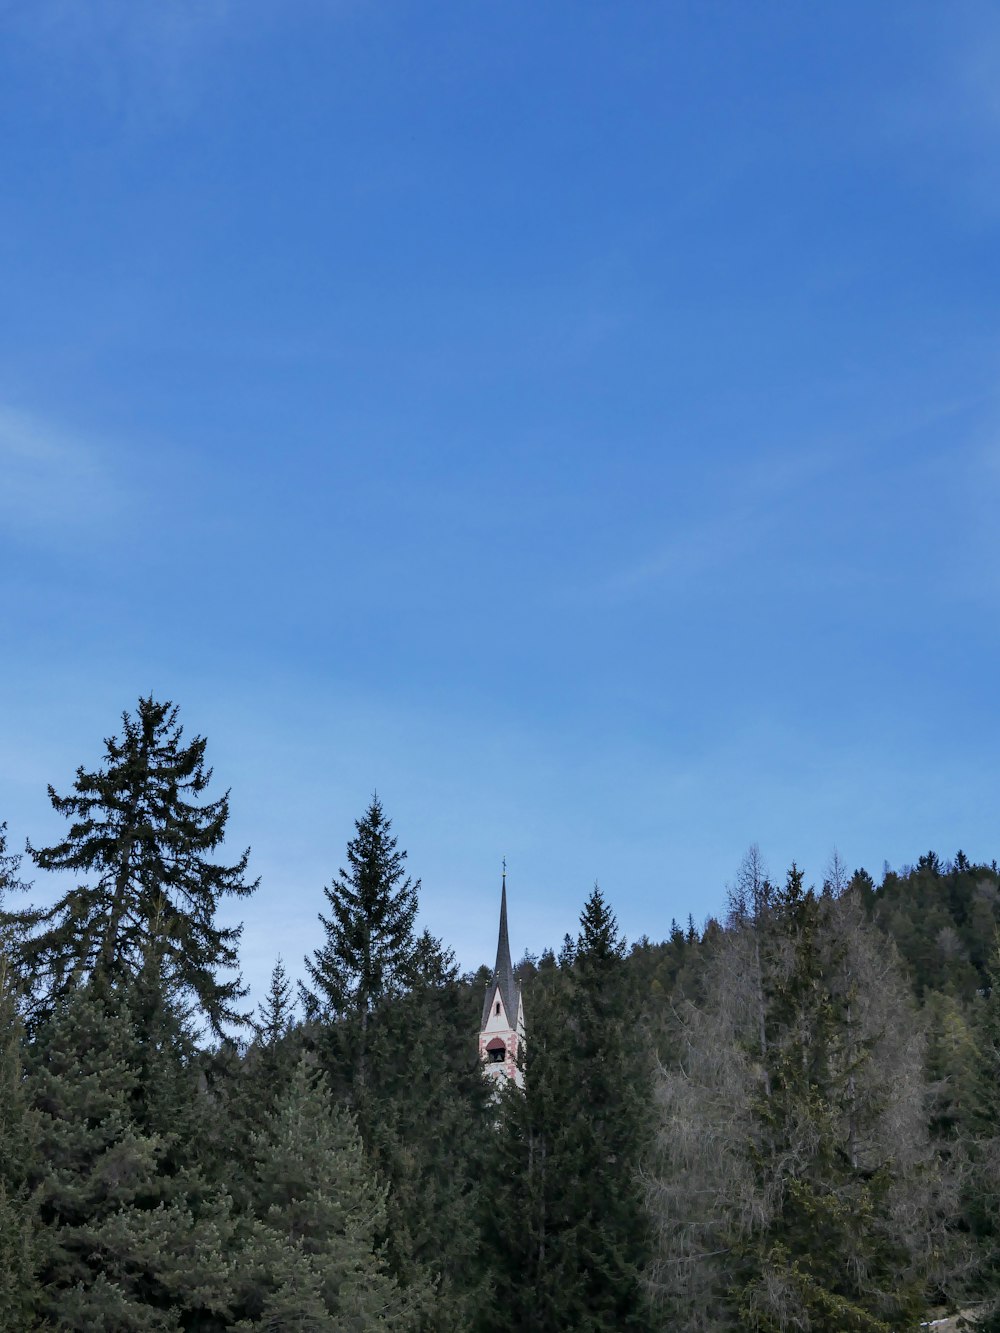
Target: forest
(785,1118)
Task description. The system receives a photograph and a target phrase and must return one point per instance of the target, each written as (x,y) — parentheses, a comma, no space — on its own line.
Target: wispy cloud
(52,482)
(735,524)
(948,112)
(147,64)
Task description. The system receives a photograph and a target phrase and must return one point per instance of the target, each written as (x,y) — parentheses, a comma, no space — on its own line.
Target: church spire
(502,1028)
(503,970)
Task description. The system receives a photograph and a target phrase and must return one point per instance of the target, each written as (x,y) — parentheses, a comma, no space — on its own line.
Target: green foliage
(313,1260)
(367,954)
(121,1244)
(943,917)
(796,1185)
(276,1014)
(139,833)
(563,1216)
(18,1150)
(424,1114)
(984,1201)
(398,1044)
(357,1171)
(829,1237)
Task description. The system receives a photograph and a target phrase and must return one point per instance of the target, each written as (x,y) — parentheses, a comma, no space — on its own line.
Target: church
(501,1033)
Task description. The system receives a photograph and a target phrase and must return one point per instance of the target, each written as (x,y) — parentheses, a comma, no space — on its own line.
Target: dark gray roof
(503,971)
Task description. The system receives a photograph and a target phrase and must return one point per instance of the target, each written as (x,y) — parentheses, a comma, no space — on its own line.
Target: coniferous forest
(788,1118)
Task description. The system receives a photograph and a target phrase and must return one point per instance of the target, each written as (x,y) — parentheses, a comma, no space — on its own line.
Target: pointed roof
(503,971)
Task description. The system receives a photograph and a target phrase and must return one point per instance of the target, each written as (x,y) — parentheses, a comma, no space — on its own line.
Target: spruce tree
(141,835)
(612,1124)
(985,1149)
(397,1041)
(10,863)
(276,1012)
(122,1243)
(314,1260)
(424,1115)
(563,1208)
(367,953)
(526,1225)
(245,1087)
(798,1185)
(18,1151)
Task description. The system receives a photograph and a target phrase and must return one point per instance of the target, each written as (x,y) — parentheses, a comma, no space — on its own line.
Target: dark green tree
(424,1114)
(367,953)
(807,1235)
(397,1036)
(18,1152)
(246,1086)
(141,835)
(563,1205)
(314,1259)
(526,1224)
(123,1244)
(984,1123)
(276,1013)
(798,1186)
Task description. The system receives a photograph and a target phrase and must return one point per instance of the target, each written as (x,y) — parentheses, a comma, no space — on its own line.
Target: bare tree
(725,1173)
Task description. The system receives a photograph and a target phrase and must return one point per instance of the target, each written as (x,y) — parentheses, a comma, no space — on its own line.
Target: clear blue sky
(579,422)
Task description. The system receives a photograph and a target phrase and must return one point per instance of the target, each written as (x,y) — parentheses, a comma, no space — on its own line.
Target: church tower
(501,1032)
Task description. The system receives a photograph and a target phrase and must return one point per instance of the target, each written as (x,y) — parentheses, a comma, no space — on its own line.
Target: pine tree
(10,863)
(313,1261)
(18,1149)
(397,1044)
(609,1124)
(367,956)
(564,1207)
(797,1187)
(424,1115)
(368,950)
(984,1123)
(245,1086)
(276,1013)
(122,1243)
(140,834)
(525,1222)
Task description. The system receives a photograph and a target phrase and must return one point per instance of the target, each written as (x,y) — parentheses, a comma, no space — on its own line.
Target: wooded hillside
(786,1119)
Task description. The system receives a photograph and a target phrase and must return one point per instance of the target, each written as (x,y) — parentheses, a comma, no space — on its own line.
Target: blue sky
(578,422)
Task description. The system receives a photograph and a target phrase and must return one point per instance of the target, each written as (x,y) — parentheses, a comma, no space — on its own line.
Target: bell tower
(501,1033)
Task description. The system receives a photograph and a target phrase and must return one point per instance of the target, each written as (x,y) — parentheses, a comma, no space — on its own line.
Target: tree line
(786,1119)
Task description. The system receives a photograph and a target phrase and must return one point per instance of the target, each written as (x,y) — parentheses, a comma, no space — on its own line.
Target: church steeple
(502,1028)
(503,970)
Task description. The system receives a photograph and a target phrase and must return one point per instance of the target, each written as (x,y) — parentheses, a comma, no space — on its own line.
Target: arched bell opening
(496,1051)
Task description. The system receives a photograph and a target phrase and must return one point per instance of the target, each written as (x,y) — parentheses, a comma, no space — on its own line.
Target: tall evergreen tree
(564,1209)
(120,1244)
(985,1125)
(276,1013)
(314,1260)
(397,1039)
(245,1087)
(18,1147)
(796,1189)
(367,954)
(142,836)
(423,1112)
(12,924)
(612,1127)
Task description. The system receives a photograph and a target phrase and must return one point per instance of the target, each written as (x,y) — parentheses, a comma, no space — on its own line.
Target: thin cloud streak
(52,483)
(736,524)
